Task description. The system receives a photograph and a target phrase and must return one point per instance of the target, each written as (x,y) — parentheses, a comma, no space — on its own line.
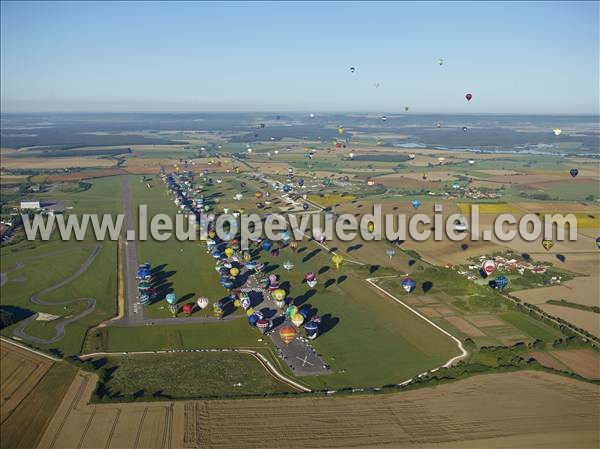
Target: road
(19,330)
(134,312)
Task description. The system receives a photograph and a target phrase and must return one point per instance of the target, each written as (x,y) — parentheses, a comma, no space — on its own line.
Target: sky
(513,57)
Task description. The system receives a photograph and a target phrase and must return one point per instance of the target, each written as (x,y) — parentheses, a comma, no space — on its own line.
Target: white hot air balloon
(557,131)
(202,303)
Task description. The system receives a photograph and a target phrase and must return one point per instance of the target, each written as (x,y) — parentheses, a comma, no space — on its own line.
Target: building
(30,205)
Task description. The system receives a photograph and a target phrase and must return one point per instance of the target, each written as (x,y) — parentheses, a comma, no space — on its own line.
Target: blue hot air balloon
(227,284)
(416,203)
(253,319)
(408,284)
(267,245)
(171,298)
(501,282)
(286,188)
(312,329)
(286,237)
(574,172)
(301,182)
(217,255)
(251,265)
(305,312)
(598,242)
(305,206)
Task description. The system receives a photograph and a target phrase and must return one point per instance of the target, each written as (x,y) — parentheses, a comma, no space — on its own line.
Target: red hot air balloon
(468,97)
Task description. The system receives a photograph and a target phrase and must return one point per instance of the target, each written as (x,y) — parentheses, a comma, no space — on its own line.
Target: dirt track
(19,329)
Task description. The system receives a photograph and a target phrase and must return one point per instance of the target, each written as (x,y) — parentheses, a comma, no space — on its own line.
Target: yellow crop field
(330,199)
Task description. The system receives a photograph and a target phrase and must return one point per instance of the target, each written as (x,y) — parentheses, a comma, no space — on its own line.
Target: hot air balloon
(245,302)
(234,272)
(217,255)
(202,303)
(384,118)
(171,298)
(411,155)
(278,296)
(272,278)
(286,188)
(287,334)
(390,252)
(408,284)
(267,245)
(312,283)
(258,194)
(598,242)
(173,308)
(351,155)
(464,128)
(310,276)
(297,320)
(188,308)
(275,252)
(229,252)
(500,282)
(471,161)
(340,129)
(305,206)
(440,61)
(468,97)
(574,172)
(253,319)
(352,69)
(291,311)
(370,182)
(293,246)
(288,265)
(547,244)
(337,260)
(488,267)
(441,159)
(263,325)
(416,203)
(312,329)
(557,131)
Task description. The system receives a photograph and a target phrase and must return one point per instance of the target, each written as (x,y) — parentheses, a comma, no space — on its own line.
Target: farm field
(554,412)
(32,388)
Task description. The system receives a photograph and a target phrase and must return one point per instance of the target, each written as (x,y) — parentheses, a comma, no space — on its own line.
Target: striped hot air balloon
(287,334)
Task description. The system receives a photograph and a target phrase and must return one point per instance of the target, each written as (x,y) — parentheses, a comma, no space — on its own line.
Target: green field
(531,326)
(186,375)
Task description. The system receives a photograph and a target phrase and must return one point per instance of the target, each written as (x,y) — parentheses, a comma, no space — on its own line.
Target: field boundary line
(464,352)
(27,348)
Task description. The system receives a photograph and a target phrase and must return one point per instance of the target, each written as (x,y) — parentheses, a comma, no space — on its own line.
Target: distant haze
(514,57)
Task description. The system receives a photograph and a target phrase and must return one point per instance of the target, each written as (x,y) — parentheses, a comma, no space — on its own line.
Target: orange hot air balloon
(287,334)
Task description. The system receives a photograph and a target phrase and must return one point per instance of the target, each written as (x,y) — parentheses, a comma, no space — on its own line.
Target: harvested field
(53,163)
(32,388)
(584,362)
(485,321)
(546,359)
(91,174)
(464,326)
(584,319)
(429,312)
(142,425)
(20,373)
(477,412)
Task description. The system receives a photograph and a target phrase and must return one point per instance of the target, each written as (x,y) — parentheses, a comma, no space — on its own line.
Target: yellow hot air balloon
(234,272)
(278,295)
(229,251)
(250,311)
(341,130)
(371,227)
(297,320)
(337,260)
(211,234)
(236,303)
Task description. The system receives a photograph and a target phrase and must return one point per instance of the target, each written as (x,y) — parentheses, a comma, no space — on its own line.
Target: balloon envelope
(287,334)
(408,284)
(468,97)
